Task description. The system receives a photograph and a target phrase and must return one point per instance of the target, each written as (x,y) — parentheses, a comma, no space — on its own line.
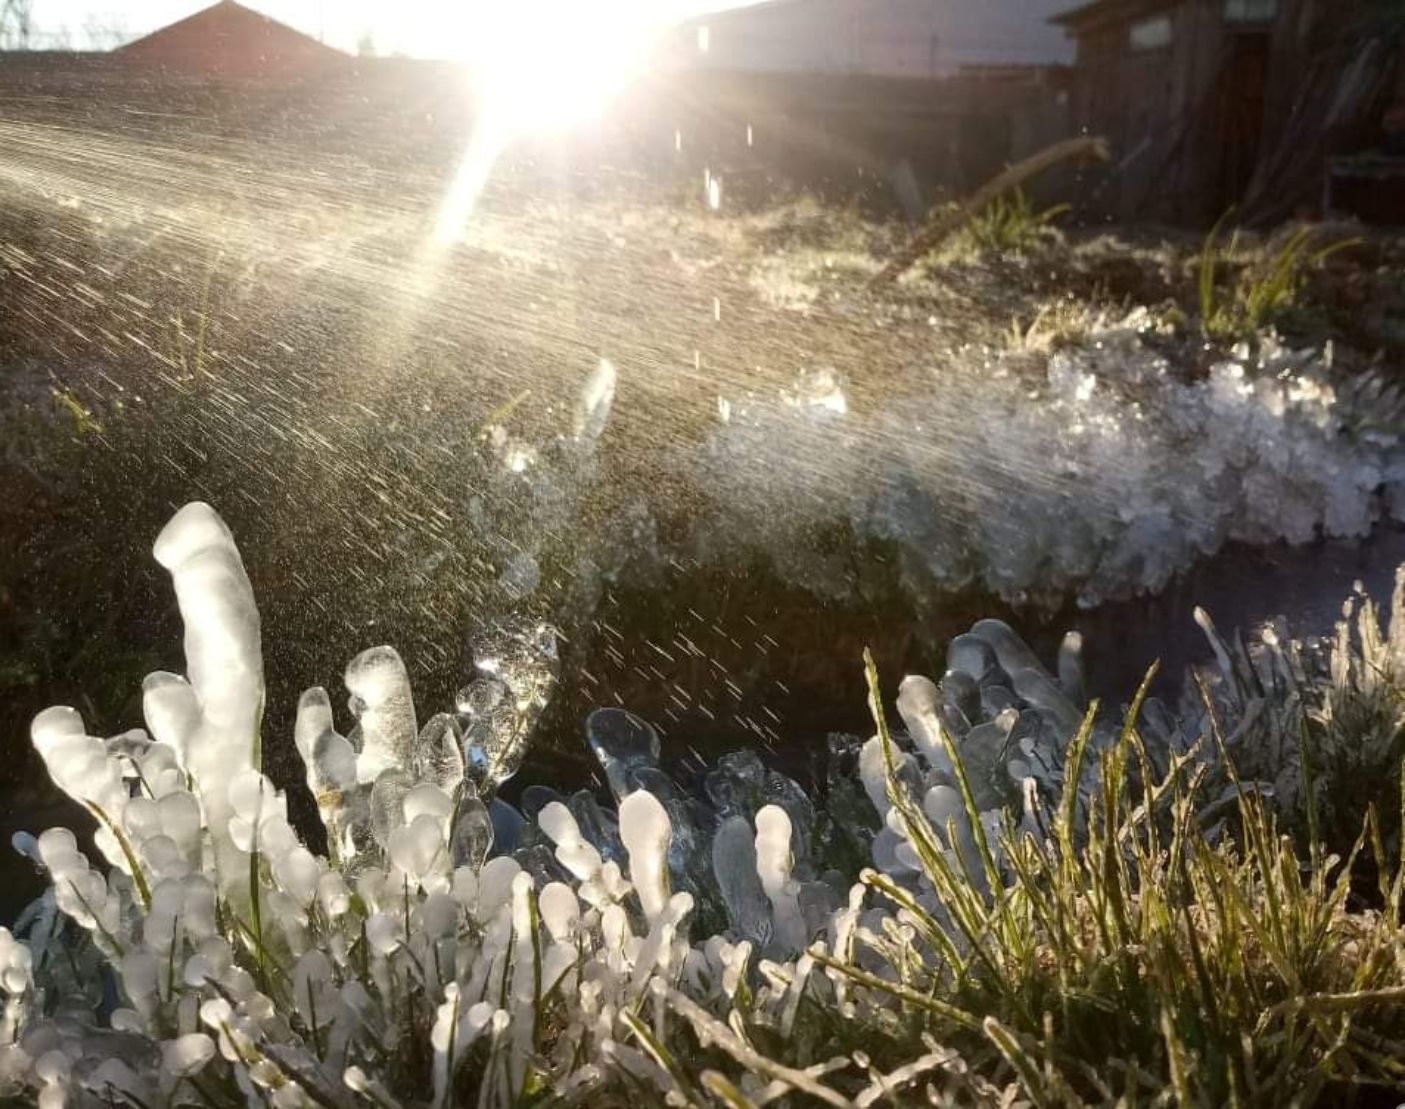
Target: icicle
(773,867)
(385,729)
(224,661)
(919,703)
(646,832)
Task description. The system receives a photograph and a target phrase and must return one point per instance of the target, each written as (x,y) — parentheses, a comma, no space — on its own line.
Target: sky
(416,27)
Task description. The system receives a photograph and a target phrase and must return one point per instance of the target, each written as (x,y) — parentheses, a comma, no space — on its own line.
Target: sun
(536,67)
(543,65)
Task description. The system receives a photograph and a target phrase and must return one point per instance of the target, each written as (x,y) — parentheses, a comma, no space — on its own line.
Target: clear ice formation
(439,752)
(622,743)
(528,509)
(593,408)
(472,837)
(734,863)
(518,667)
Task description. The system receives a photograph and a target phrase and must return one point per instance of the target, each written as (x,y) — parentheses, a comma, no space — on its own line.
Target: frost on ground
(738,944)
(1101,480)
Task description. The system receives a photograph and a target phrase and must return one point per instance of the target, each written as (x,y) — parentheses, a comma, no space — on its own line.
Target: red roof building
(230,40)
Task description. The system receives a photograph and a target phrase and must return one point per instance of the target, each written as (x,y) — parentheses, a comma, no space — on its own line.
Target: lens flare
(538,68)
(544,65)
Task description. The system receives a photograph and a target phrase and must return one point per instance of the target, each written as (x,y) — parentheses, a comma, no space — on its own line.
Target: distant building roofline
(52,54)
(136,45)
(722,14)
(1100,13)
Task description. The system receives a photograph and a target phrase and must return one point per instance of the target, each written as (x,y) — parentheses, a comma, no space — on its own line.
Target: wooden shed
(230,40)
(1220,105)
(1180,88)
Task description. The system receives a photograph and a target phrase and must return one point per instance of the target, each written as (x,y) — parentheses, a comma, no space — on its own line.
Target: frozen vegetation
(948,919)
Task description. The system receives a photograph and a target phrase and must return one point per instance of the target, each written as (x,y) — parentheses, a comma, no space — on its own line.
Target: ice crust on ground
(1093,473)
(1101,481)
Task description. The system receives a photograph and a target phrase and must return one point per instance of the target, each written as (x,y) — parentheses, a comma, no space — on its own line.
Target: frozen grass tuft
(1010,224)
(1258,292)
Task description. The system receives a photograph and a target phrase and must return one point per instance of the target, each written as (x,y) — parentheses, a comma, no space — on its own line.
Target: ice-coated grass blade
(138,877)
